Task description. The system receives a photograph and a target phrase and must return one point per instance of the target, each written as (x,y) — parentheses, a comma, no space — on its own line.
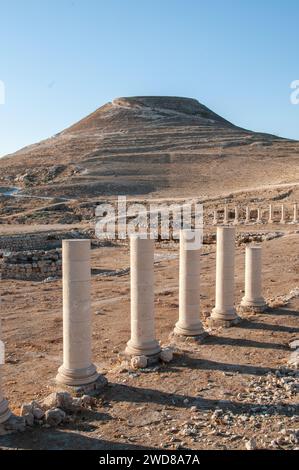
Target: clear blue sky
(62,59)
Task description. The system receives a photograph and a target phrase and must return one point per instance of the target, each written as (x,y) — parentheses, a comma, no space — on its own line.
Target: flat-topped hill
(167,146)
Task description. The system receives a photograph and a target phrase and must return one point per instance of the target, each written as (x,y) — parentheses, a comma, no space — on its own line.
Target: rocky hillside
(164,145)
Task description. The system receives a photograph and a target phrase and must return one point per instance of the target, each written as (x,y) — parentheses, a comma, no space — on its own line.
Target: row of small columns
(259,218)
(78,370)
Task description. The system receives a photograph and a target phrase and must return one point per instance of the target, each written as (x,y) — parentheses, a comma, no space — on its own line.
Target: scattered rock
(251,444)
(54,416)
(294,344)
(139,362)
(166,355)
(38,413)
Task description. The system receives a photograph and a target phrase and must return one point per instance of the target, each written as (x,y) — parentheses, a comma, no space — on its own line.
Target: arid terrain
(161,146)
(237,389)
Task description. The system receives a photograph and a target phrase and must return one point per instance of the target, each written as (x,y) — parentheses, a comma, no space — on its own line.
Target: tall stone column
(259,219)
(270,220)
(236,219)
(143,341)
(4,410)
(189,323)
(282,219)
(224,313)
(247,217)
(215,217)
(77,369)
(295,214)
(253,299)
(225,215)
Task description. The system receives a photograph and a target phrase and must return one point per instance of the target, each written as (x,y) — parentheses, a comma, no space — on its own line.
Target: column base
(77,377)
(224,319)
(179,338)
(148,349)
(258,306)
(5,412)
(193,331)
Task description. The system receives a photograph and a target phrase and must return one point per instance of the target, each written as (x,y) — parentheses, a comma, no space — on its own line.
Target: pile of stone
(294,357)
(56,409)
(258,237)
(31,265)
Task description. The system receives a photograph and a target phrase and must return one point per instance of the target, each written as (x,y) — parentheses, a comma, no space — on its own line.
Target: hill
(167,146)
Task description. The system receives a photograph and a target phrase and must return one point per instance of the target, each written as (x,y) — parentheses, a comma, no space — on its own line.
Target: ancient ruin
(77,369)
(143,339)
(224,312)
(253,299)
(189,323)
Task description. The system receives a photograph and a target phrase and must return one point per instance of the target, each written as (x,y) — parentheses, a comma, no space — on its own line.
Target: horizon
(75,56)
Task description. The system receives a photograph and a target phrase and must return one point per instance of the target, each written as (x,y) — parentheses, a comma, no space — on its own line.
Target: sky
(62,59)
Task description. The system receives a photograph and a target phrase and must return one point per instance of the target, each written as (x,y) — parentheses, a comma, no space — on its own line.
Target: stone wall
(37,241)
(31,265)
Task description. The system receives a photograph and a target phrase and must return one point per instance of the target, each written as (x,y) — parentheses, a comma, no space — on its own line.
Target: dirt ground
(214,395)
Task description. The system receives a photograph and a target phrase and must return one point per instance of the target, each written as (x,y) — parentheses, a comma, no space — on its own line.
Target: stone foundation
(31,265)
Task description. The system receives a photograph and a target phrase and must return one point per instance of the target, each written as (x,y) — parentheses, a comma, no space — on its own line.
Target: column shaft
(253,279)
(236,219)
(295,216)
(259,216)
(4,410)
(225,215)
(282,220)
(270,220)
(215,218)
(225,268)
(189,323)
(77,368)
(143,341)
(247,217)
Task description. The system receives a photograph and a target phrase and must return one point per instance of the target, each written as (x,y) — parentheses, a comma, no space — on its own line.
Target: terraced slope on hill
(165,146)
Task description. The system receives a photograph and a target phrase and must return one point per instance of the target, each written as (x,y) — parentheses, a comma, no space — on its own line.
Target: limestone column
(282,220)
(224,313)
(270,220)
(189,323)
(143,341)
(4,410)
(77,368)
(215,218)
(225,215)
(295,216)
(236,219)
(259,219)
(253,299)
(247,218)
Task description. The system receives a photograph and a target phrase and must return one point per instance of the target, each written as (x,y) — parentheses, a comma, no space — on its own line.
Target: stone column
(224,313)
(259,219)
(225,215)
(4,410)
(189,323)
(295,216)
(215,218)
(77,368)
(282,220)
(270,220)
(143,341)
(253,299)
(236,219)
(247,218)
